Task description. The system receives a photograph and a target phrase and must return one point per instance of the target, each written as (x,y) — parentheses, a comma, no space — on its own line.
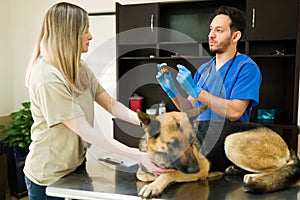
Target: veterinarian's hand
(166,82)
(184,78)
(151,166)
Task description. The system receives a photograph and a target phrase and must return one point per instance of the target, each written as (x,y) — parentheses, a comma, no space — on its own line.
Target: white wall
(101,59)
(6,83)
(20,25)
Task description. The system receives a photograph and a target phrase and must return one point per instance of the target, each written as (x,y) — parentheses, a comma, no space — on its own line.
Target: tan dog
(172,142)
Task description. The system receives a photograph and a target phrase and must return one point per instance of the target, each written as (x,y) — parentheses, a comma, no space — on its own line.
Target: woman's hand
(151,166)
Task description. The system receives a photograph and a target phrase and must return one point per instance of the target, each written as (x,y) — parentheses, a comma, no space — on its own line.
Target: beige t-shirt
(55,150)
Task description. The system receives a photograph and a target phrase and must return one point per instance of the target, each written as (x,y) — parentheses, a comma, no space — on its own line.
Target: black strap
(227,73)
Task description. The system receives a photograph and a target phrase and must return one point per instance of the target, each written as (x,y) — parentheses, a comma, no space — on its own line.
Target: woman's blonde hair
(60,41)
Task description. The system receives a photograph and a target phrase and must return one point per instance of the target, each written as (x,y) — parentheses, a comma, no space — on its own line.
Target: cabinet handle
(253,18)
(151,23)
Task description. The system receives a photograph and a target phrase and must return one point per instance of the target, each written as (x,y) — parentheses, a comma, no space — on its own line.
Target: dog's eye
(155,135)
(175,142)
(180,129)
(178,126)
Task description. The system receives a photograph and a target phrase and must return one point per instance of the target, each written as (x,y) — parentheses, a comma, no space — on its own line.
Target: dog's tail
(285,177)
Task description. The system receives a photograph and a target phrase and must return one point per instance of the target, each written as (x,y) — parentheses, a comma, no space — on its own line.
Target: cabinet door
(137,24)
(271,19)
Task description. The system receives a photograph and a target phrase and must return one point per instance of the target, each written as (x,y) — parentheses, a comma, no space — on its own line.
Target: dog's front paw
(150,190)
(144,176)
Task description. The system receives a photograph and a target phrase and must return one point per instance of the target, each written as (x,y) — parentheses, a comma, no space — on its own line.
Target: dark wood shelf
(273,56)
(204,57)
(165,58)
(183,40)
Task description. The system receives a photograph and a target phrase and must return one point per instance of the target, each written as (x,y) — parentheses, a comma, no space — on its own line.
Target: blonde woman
(62,92)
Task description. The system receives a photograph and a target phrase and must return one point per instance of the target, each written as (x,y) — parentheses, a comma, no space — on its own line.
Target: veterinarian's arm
(185,79)
(230,109)
(166,82)
(183,103)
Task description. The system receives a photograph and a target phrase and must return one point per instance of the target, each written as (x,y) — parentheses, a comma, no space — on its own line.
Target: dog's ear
(151,125)
(193,113)
(143,117)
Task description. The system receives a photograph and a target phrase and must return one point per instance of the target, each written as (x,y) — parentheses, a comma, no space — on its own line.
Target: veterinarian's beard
(224,46)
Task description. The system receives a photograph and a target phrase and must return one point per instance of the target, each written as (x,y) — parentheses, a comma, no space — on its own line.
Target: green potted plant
(16,139)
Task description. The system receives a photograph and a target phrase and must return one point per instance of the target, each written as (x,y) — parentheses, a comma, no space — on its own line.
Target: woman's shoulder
(45,72)
(43,66)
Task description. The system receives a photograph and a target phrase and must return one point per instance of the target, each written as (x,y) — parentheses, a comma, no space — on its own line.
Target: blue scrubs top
(242,82)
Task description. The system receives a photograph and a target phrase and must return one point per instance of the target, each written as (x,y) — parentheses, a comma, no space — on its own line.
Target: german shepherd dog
(217,146)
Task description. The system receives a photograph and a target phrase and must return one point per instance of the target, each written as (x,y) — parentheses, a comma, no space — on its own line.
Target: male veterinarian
(229,83)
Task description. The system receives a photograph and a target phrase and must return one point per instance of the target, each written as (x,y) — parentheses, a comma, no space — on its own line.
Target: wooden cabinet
(135,23)
(177,32)
(271,41)
(271,19)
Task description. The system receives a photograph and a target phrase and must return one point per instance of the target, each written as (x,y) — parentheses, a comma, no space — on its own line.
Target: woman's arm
(116,108)
(81,127)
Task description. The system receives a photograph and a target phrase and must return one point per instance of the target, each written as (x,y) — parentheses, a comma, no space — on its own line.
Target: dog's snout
(193,169)
(190,167)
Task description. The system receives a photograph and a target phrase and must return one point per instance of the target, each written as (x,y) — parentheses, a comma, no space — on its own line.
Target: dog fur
(215,146)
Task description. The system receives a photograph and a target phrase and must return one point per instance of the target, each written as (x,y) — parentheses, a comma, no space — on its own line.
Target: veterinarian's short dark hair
(238,21)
